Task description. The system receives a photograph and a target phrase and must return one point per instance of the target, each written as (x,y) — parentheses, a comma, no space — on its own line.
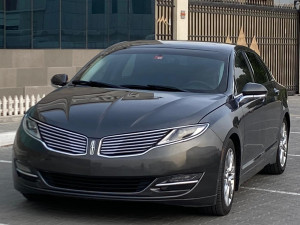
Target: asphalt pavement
(264,199)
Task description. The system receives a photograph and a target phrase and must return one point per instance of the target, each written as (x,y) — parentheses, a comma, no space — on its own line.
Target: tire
(282,151)
(224,201)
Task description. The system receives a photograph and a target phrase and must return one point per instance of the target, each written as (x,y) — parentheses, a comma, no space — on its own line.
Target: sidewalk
(8,132)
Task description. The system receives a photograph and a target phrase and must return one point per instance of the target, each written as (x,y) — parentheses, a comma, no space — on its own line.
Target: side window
(241,72)
(268,73)
(260,72)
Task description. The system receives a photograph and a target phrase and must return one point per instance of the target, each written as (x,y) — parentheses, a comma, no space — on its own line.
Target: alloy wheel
(283,145)
(229,177)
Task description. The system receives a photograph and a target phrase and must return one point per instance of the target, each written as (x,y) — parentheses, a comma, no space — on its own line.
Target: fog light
(24,171)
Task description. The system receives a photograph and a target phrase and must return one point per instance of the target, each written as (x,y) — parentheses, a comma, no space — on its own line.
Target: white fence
(18,105)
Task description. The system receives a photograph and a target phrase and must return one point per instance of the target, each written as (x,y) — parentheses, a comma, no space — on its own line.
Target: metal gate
(164,19)
(275,29)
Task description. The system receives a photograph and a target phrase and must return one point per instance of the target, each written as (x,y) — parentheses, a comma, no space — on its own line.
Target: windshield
(188,70)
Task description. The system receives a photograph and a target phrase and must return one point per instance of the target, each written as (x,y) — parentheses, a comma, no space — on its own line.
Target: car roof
(189,45)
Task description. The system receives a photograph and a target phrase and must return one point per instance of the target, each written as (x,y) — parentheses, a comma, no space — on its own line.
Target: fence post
(21,105)
(181,20)
(16,105)
(297,6)
(10,104)
(38,98)
(4,102)
(27,101)
(32,100)
(0,107)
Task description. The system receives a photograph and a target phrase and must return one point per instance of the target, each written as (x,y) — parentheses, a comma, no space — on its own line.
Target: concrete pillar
(181,22)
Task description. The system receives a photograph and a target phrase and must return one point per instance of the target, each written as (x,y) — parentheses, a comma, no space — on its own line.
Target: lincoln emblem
(92,147)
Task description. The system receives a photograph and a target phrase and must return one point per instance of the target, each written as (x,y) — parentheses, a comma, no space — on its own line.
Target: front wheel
(226,183)
(282,152)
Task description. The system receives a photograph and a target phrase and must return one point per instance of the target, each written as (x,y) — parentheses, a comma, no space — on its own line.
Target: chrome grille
(63,141)
(131,144)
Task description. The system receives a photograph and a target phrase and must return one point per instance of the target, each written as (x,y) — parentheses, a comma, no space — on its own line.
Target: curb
(7,138)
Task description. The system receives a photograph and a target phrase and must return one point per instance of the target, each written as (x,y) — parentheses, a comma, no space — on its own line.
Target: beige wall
(180,24)
(29,71)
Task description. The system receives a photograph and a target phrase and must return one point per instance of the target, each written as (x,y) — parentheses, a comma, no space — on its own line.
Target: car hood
(98,112)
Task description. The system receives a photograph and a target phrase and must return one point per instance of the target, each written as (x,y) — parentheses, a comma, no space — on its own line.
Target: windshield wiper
(154,87)
(94,84)
(166,88)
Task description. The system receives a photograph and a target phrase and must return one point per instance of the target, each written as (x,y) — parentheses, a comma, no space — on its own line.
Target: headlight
(183,134)
(31,127)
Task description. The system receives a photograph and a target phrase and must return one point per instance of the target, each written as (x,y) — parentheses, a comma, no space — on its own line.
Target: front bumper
(201,156)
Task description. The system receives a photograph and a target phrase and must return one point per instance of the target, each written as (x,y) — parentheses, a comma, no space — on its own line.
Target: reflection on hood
(97,112)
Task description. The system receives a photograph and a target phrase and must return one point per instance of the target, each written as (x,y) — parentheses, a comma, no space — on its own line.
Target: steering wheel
(194,84)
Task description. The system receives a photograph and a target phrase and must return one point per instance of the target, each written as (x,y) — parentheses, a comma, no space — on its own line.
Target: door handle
(276,91)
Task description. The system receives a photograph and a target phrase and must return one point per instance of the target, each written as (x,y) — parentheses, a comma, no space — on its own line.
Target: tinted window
(114,6)
(18,23)
(242,72)
(46,24)
(98,6)
(260,73)
(268,73)
(142,7)
(1,24)
(73,25)
(97,25)
(204,72)
(141,26)
(119,29)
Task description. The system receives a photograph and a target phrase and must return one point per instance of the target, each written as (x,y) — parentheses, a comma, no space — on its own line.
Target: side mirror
(59,80)
(254,89)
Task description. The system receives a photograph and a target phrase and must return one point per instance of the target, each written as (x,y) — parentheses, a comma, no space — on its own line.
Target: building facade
(39,38)
(73,24)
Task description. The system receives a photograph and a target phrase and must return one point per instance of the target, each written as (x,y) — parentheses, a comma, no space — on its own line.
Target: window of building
(98,6)
(11,5)
(119,27)
(114,6)
(18,23)
(1,24)
(73,24)
(141,25)
(141,7)
(46,23)
(97,27)
(260,72)
(242,73)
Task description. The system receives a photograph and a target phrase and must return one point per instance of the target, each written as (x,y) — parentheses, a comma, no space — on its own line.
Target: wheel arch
(288,120)
(234,137)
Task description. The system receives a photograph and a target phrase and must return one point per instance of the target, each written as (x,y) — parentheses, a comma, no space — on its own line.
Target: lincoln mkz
(183,123)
